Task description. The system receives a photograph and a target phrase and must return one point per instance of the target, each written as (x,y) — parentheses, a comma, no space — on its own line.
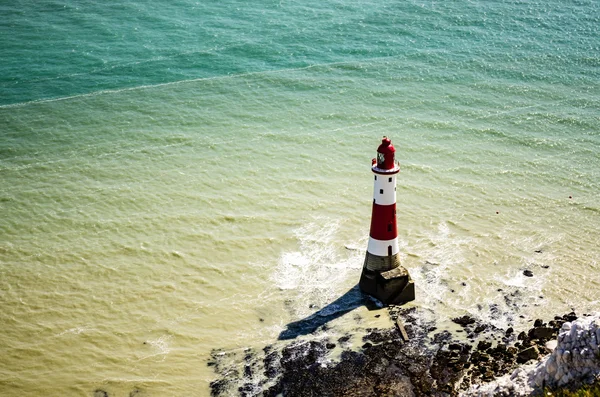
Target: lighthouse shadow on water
(352,299)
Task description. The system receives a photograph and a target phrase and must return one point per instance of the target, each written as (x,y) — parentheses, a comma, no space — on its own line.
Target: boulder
(531,353)
(541,333)
(483,345)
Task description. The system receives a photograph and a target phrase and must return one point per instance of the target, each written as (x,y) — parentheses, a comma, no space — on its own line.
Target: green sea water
(183,177)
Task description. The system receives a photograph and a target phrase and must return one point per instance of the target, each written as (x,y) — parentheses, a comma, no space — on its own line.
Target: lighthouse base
(391,287)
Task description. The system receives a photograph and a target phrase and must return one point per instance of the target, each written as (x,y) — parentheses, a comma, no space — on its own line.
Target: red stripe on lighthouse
(383,222)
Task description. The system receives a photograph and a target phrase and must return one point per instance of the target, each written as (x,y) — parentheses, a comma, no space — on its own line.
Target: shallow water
(194,176)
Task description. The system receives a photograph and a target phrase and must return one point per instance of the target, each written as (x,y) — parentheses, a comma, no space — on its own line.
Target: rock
(541,333)
(389,366)
(573,333)
(381,335)
(271,364)
(488,375)
(483,345)
(551,345)
(570,317)
(531,353)
(475,357)
(528,273)
(455,346)
(344,339)
(217,387)
(551,366)
(464,320)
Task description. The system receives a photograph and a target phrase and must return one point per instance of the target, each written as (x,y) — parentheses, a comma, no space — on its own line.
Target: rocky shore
(574,360)
(476,360)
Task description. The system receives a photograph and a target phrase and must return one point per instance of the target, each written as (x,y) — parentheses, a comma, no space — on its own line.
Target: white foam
(160,345)
(187,81)
(74,331)
(320,270)
(516,280)
(445,253)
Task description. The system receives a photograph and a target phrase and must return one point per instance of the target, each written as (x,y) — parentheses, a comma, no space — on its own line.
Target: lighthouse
(383,277)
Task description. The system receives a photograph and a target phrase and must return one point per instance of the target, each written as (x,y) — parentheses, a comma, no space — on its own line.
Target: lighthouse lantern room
(383,277)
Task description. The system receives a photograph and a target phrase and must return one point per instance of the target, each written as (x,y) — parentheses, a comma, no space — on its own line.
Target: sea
(185,179)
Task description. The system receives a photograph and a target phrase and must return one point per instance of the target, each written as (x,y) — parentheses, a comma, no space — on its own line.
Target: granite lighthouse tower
(383,277)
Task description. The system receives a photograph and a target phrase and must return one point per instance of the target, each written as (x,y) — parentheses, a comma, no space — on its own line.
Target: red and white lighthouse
(382,276)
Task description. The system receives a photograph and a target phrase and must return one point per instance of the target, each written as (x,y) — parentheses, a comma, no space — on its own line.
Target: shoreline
(429,363)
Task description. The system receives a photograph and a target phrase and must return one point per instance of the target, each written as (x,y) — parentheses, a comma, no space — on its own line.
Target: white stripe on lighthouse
(380,247)
(384,191)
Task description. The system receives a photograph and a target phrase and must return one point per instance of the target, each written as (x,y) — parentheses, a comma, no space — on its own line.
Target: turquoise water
(182,177)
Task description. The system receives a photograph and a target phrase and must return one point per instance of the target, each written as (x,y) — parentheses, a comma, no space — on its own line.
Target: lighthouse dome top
(385,162)
(386,146)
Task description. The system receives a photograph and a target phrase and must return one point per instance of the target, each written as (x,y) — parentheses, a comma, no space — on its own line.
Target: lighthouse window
(380,159)
(375,177)
(389,250)
(380,191)
(390,179)
(390,227)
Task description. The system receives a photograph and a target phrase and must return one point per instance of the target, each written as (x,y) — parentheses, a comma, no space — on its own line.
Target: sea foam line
(230,76)
(125,64)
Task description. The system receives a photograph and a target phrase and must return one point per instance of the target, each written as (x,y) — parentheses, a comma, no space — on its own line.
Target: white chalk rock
(539,380)
(515,374)
(559,355)
(551,366)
